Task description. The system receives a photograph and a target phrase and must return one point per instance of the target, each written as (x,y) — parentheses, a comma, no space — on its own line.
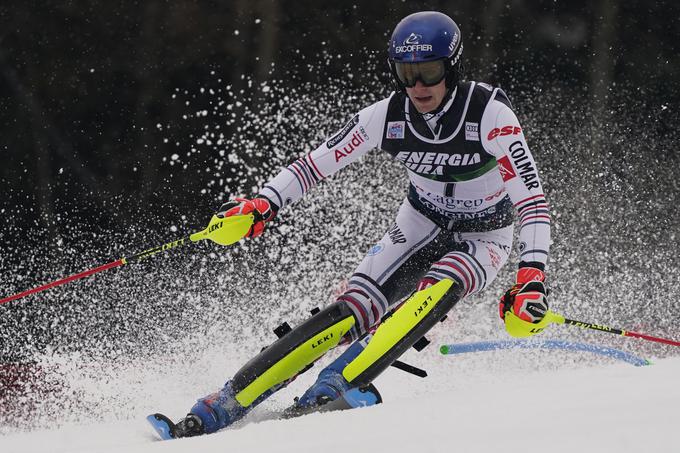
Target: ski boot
(209,414)
(329,386)
(331,391)
(221,409)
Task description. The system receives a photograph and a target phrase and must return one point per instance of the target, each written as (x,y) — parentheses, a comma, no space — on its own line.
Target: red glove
(261,208)
(527,298)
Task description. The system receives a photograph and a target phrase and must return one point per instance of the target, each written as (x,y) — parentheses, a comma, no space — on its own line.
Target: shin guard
(401,330)
(292,353)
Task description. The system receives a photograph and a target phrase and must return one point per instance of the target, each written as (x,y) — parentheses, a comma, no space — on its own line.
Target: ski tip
(161,425)
(362,397)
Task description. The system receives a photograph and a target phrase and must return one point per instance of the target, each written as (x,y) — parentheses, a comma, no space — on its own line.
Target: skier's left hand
(262,209)
(527,298)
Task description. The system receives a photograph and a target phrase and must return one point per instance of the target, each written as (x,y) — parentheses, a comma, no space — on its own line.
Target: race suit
(470,170)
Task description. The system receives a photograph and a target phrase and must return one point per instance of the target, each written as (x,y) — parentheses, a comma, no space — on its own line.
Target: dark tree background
(98,100)
(84,84)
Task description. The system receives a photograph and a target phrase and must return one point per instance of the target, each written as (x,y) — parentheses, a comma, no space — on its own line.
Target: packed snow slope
(510,401)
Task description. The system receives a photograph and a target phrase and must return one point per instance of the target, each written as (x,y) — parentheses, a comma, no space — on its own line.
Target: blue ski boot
(209,414)
(332,392)
(221,409)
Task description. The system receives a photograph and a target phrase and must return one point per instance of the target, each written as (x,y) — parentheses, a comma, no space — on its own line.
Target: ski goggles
(428,72)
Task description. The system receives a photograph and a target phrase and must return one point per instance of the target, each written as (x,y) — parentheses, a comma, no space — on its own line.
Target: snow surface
(482,402)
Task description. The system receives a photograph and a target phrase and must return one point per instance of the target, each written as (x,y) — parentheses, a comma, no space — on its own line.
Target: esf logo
(494,257)
(503,131)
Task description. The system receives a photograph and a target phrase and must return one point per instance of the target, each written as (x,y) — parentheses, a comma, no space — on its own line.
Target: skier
(469,170)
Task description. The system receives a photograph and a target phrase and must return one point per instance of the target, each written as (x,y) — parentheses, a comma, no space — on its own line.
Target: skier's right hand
(527,302)
(262,209)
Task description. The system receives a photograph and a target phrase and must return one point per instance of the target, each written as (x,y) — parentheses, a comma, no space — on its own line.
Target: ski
(189,426)
(352,399)
(162,425)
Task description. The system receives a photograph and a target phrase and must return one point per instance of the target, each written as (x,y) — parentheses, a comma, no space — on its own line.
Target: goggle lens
(429,72)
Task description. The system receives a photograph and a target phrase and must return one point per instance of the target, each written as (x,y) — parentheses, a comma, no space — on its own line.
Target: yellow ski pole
(517,327)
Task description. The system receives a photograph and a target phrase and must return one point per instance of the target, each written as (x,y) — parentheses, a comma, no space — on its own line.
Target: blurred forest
(86,86)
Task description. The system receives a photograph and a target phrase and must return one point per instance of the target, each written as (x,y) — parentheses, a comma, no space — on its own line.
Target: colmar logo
(523,165)
(507,173)
(396,235)
(503,131)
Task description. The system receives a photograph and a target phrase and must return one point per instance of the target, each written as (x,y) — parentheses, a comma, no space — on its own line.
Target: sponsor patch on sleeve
(395,129)
(337,138)
(504,166)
